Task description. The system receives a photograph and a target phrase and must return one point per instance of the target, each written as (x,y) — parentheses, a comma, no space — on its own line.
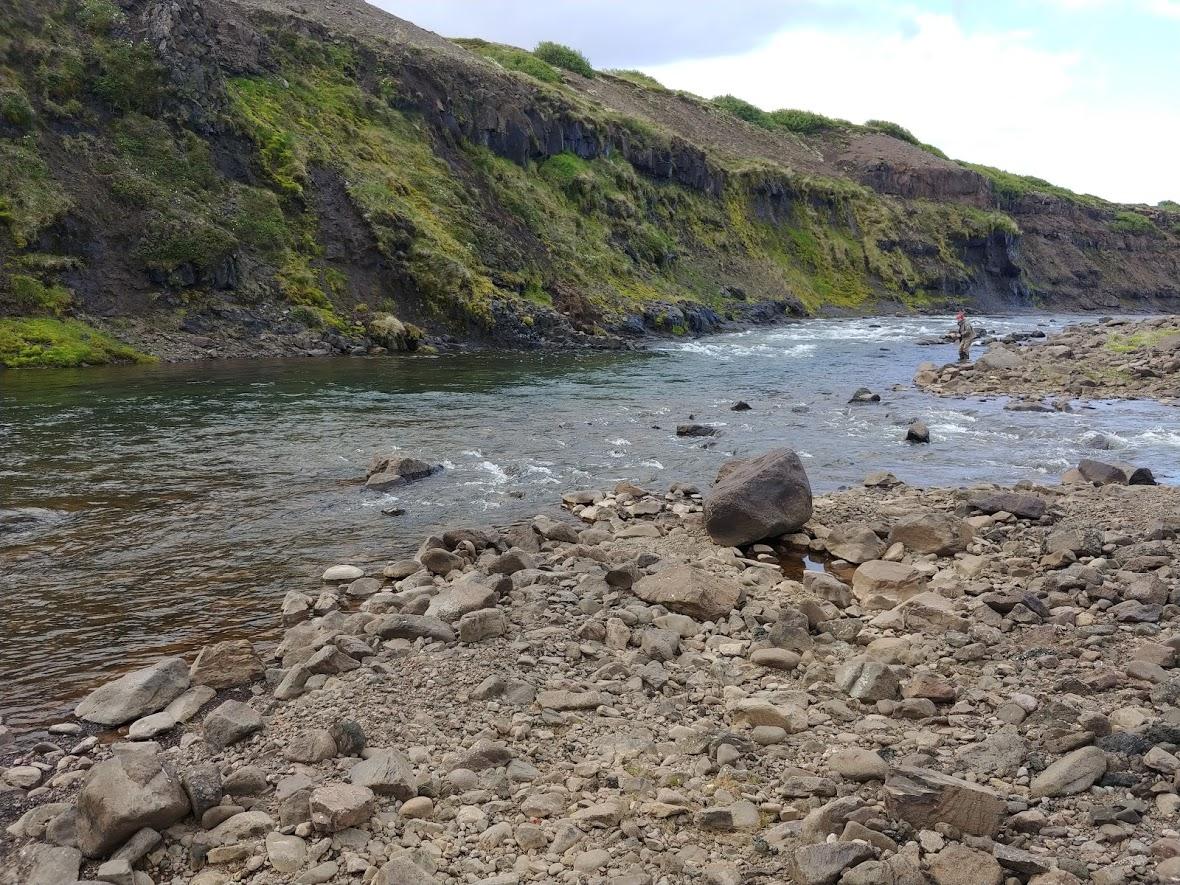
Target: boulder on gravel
(940,533)
(1000,358)
(229,723)
(124,794)
(690,591)
(227,665)
(1073,773)
(854,542)
(756,499)
(386,773)
(925,798)
(336,807)
(1017,503)
(823,864)
(878,584)
(136,694)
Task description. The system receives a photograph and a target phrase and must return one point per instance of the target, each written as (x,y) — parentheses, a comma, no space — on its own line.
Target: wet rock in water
(136,694)
(227,665)
(1017,503)
(390,471)
(690,591)
(925,798)
(340,574)
(124,794)
(1118,473)
(740,406)
(854,542)
(940,533)
(864,395)
(760,498)
(917,432)
(696,430)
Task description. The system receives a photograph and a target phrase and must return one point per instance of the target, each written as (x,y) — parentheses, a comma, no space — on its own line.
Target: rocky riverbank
(978,688)
(1124,359)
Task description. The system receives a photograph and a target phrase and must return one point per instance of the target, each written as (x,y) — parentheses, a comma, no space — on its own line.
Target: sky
(1084,93)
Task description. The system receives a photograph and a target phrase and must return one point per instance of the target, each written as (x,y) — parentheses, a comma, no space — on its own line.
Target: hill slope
(257,176)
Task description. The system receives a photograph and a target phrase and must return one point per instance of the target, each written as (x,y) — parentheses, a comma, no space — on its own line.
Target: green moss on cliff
(40,341)
(512,59)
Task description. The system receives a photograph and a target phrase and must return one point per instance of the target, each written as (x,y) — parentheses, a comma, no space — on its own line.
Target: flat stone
(124,794)
(689,590)
(879,584)
(136,694)
(386,773)
(925,798)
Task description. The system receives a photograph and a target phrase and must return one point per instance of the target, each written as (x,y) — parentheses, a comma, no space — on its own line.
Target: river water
(183,501)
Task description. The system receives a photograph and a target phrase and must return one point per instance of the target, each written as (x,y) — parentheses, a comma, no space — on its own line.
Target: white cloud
(992,98)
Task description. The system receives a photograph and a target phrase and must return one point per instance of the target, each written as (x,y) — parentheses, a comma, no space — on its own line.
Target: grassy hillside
(342,187)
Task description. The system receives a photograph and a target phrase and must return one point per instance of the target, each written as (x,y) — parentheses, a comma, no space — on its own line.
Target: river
(182,501)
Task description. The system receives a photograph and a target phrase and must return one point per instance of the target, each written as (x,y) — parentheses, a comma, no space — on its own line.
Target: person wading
(966,334)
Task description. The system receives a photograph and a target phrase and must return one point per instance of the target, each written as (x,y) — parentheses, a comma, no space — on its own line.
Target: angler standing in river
(966,333)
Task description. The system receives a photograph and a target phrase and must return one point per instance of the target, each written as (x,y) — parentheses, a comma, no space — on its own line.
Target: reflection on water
(178,503)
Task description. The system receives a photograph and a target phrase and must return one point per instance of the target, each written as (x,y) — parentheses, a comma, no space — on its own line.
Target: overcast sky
(1084,93)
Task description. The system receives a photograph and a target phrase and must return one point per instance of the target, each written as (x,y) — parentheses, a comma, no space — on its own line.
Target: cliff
(191,178)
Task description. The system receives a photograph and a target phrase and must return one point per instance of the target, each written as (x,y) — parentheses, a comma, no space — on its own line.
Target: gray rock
(386,773)
(202,785)
(854,542)
(136,694)
(867,680)
(483,624)
(227,665)
(411,627)
(440,562)
(124,794)
(824,863)
(939,533)
(760,498)
(459,599)
(1073,773)
(53,865)
(925,798)
(335,807)
(690,591)
(231,722)
(1016,503)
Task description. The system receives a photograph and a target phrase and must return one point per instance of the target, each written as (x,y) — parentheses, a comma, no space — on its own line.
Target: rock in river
(136,694)
(759,498)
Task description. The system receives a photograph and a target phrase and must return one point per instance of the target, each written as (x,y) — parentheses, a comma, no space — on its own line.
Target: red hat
(960,315)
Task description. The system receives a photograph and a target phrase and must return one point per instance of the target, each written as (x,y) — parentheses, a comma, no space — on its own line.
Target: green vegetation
(15,109)
(30,198)
(129,76)
(805,122)
(1169,205)
(561,56)
(1133,223)
(99,16)
(1137,341)
(1009,187)
(29,295)
(638,78)
(513,59)
(42,341)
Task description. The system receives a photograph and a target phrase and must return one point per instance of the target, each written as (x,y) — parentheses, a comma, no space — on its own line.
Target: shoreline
(616,341)
(1119,358)
(673,716)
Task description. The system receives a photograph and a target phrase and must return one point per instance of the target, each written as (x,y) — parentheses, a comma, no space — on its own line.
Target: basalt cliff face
(191,178)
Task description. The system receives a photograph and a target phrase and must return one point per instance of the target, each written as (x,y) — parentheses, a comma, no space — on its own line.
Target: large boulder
(227,665)
(390,471)
(759,498)
(136,694)
(1001,358)
(925,798)
(1073,773)
(1017,503)
(939,533)
(124,794)
(690,591)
